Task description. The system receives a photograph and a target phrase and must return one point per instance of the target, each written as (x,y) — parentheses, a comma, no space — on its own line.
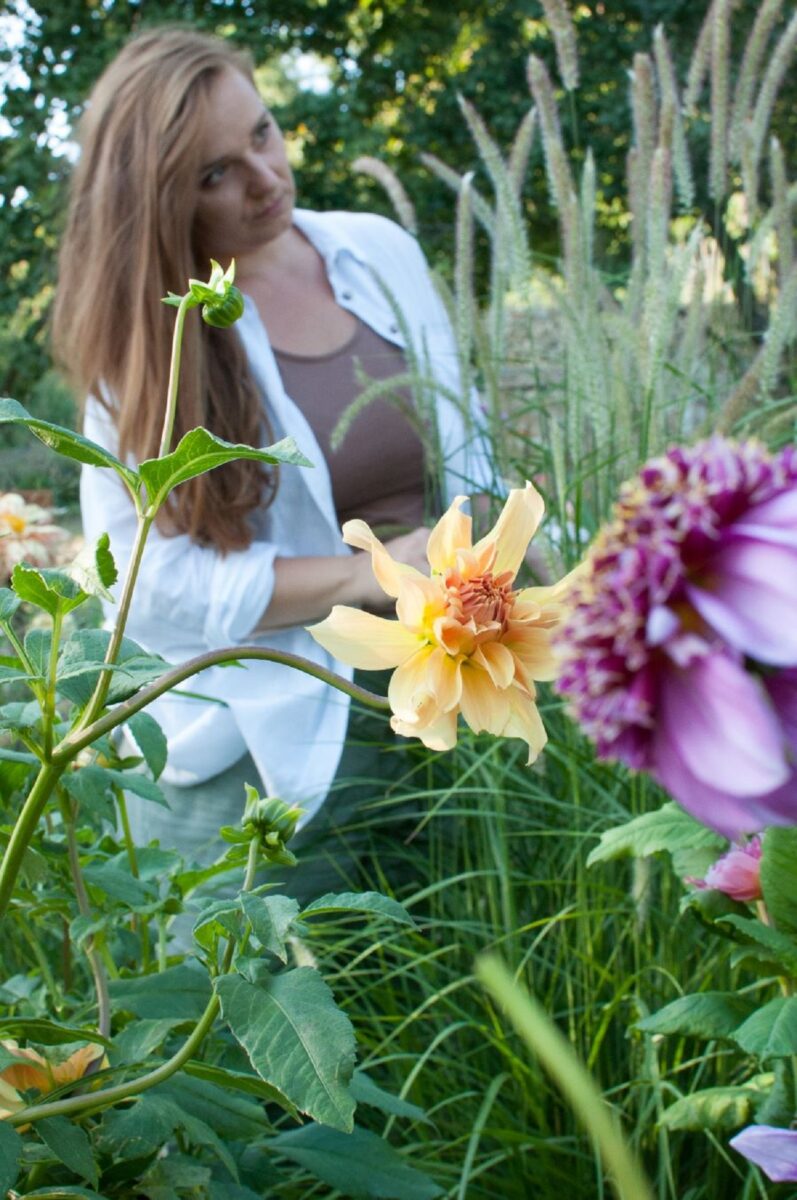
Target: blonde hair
(128,241)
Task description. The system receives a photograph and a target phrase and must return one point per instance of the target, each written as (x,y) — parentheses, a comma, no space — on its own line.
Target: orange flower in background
(465,640)
(32,1071)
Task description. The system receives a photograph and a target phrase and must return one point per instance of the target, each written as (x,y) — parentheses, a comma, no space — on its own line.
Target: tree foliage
(393,71)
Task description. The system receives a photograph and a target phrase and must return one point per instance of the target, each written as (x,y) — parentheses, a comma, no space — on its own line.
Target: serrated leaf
(70,1144)
(180,992)
(217,919)
(296,1038)
(49,589)
(140,1129)
(92,784)
(19,716)
(365,1091)
(771,1031)
(9,603)
(778,869)
(357,1163)
(82,656)
(668,829)
(118,883)
(15,674)
(65,441)
(37,647)
(151,741)
(706,1015)
(11,1147)
(362,902)
(778,946)
(712,1108)
(271,918)
(233,1115)
(200,451)
(94,569)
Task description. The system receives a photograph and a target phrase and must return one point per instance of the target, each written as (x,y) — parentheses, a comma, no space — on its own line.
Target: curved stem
(79,738)
(25,827)
(73,1105)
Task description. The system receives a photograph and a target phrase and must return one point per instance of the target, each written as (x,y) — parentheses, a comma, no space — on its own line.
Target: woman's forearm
(305,589)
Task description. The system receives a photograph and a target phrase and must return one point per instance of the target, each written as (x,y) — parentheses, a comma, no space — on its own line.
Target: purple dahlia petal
(753,600)
(782,691)
(773,521)
(773,1150)
(717,719)
(730,816)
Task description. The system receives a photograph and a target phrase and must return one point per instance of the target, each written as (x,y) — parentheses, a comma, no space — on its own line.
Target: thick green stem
(96,1101)
(25,827)
(79,738)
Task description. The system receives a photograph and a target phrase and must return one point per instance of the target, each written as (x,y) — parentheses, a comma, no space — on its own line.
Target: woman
(181,162)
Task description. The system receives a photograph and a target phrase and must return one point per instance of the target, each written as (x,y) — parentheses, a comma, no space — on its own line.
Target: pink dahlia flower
(737,873)
(772,1149)
(679,651)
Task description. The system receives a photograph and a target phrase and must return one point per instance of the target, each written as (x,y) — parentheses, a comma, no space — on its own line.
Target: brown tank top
(377,473)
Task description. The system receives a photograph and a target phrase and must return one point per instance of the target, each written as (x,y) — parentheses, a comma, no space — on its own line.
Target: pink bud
(738,873)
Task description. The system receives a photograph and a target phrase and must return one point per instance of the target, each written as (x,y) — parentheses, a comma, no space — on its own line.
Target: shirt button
(346,296)
(394,328)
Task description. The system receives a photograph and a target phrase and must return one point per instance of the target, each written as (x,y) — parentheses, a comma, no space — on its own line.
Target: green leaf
(365,1091)
(140,1129)
(779,946)
(11,1147)
(37,648)
(706,1015)
(82,655)
(200,451)
(252,1085)
(233,1115)
(139,1039)
(70,1144)
(20,715)
(118,883)
(358,1163)
(771,1031)
(669,828)
(64,441)
(49,589)
(94,569)
(180,992)
(271,918)
(49,1033)
(9,603)
(93,787)
(296,1038)
(778,872)
(712,1108)
(363,902)
(151,741)
(15,674)
(65,1193)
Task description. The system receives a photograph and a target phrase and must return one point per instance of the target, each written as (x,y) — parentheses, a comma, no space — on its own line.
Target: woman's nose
(261,174)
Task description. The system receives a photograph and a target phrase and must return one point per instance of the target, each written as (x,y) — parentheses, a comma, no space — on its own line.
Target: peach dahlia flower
(465,640)
(33,1072)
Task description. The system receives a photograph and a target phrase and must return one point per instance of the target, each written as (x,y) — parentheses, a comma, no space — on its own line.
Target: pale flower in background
(771,1148)
(27,534)
(33,1072)
(465,640)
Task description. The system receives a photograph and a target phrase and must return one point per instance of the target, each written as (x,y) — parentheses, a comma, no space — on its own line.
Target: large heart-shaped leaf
(66,441)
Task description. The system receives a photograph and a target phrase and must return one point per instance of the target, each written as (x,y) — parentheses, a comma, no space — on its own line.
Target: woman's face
(245,186)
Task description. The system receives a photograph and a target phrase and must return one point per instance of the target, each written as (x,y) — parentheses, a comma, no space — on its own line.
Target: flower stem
(140,923)
(83,736)
(84,908)
(174,374)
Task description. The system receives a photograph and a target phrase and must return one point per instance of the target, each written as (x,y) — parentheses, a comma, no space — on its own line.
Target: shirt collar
(327,235)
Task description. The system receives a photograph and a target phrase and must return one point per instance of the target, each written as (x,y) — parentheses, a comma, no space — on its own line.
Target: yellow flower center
(484,601)
(15,524)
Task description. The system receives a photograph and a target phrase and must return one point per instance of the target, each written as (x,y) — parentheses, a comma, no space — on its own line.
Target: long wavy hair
(128,241)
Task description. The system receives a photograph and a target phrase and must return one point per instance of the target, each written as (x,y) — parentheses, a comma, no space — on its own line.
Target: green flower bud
(273,822)
(222,304)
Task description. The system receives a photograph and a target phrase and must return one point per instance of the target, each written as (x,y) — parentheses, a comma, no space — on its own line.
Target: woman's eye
(214,176)
(261,133)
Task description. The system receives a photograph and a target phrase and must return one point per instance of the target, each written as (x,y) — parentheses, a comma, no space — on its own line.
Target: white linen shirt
(190,598)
